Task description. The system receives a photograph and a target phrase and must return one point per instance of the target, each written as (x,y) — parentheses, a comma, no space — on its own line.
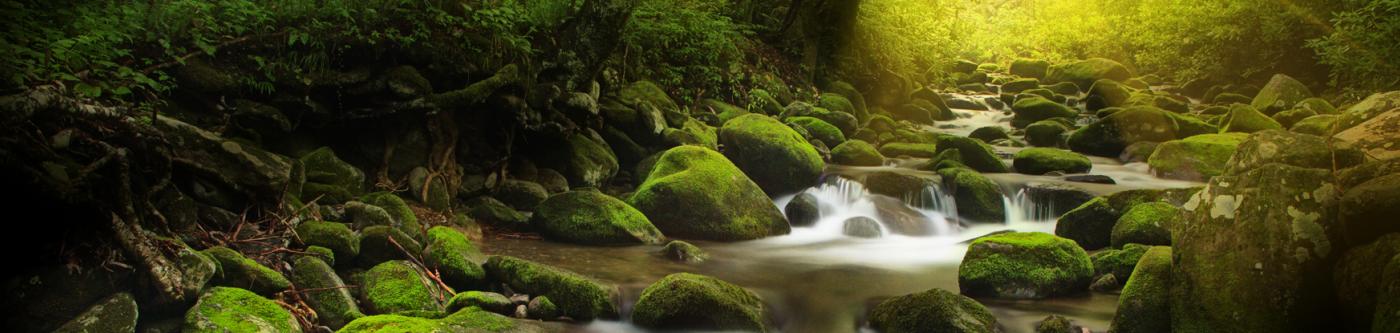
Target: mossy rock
(1030,68)
(116,313)
(1288,118)
(774,156)
(723,111)
(1105,94)
(803,210)
(919,150)
(1368,210)
(235,270)
(1320,125)
(1090,225)
(1046,133)
(1056,324)
(324,291)
(330,178)
(578,297)
(398,286)
(642,124)
(650,93)
(692,132)
(1039,161)
(692,301)
(466,320)
(1231,99)
(1084,72)
(856,153)
(485,300)
(989,133)
(1108,136)
(590,217)
(820,129)
(376,247)
(696,193)
(761,101)
(1148,223)
(1308,151)
(934,310)
(454,257)
(839,103)
(1033,109)
(1028,265)
(844,121)
(852,94)
(397,209)
(430,189)
(1020,85)
(1063,88)
(520,194)
(1144,305)
(683,251)
(913,113)
(497,213)
(978,198)
(1118,262)
(225,309)
(332,235)
(1246,119)
(1358,280)
(973,153)
(1195,158)
(586,162)
(1281,93)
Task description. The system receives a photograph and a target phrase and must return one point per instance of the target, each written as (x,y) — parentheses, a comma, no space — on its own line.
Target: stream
(817,279)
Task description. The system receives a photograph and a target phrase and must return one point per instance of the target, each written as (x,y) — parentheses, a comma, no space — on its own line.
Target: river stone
(1266,235)
(398,211)
(1106,94)
(484,300)
(1144,305)
(1084,72)
(978,198)
(1302,150)
(802,211)
(577,297)
(856,153)
(1246,119)
(235,270)
(902,149)
(225,309)
(1195,158)
(1039,161)
(683,251)
(1056,199)
(116,313)
(773,155)
(973,153)
(1019,85)
(694,192)
(1147,223)
(698,302)
(1024,265)
(467,320)
(897,184)
(398,286)
(332,235)
(1357,278)
(989,134)
(817,129)
(1090,225)
(934,310)
(848,91)
(1118,262)
(585,160)
(1033,109)
(1281,93)
(495,212)
(521,194)
(1056,324)
(861,227)
(454,257)
(1046,133)
(324,292)
(590,217)
(899,217)
(1031,68)
(1108,136)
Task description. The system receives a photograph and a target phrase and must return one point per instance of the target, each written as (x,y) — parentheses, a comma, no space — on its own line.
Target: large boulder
(1378,136)
(1359,277)
(978,198)
(694,192)
(1303,150)
(241,166)
(1108,136)
(1033,109)
(1147,223)
(1030,68)
(577,296)
(1195,158)
(397,286)
(1028,265)
(116,313)
(973,153)
(852,94)
(1144,305)
(1246,119)
(454,257)
(777,158)
(646,94)
(332,235)
(1090,225)
(585,160)
(1039,161)
(1281,93)
(1046,133)
(1368,108)
(1368,210)
(1085,72)
(329,178)
(1106,94)
(844,121)
(839,103)
(857,153)
(818,129)
(591,217)
(934,310)
(691,301)
(224,309)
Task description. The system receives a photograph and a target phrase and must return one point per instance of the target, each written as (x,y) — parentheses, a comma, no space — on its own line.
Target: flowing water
(816,279)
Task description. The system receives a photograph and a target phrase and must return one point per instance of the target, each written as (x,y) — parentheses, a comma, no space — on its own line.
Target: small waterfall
(1024,207)
(933,199)
(840,198)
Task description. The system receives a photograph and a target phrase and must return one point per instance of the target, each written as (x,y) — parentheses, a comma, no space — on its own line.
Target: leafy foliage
(902,36)
(1364,48)
(688,44)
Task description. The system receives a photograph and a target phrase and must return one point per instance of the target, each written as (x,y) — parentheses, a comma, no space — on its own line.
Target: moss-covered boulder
(398,286)
(913,113)
(852,94)
(773,155)
(454,257)
(1246,119)
(382,243)
(330,178)
(235,270)
(1084,72)
(1019,85)
(224,309)
(642,124)
(1290,117)
(1118,262)
(116,313)
(857,153)
(485,300)
(839,103)
(585,161)
(1090,225)
(1308,151)
(591,217)
(1275,221)
(398,211)
(1046,133)
(332,235)
(696,193)
(1368,108)
(1376,137)
(844,121)
(989,134)
(934,310)
(803,210)
(1144,305)
(978,198)
(577,296)
(1358,279)
(1281,93)
(1033,109)
(1108,136)
(1148,223)
(490,210)
(1030,68)
(1195,158)
(819,129)
(466,320)
(1024,265)
(1039,161)
(683,251)
(973,153)
(898,149)
(324,291)
(692,301)
(1056,324)
(520,194)
(648,93)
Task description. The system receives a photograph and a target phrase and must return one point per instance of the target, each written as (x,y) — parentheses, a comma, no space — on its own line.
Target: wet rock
(966,104)
(1033,109)
(1046,133)
(1057,199)
(818,129)
(1106,283)
(466,320)
(235,270)
(225,309)
(1038,161)
(1090,225)
(116,313)
(1141,151)
(577,297)
(989,134)
(1195,158)
(934,310)
(973,153)
(490,210)
(332,235)
(897,184)
(899,149)
(803,211)
(541,308)
(1144,305)
(691,301)
(1106,94)
(861,227)
(1108,136)
(324,292)
(978,198)
(1020,85)
(772,154)
(1358,280)
(454,257)
(844,121)
(839,103)
(1092,179)
(589,217)
(856,153)
(1118,262)
(1281,93)
(330,178)
(485,300)
(1055,324)
(396,286)
(684,252)
(1024,265)
(680,199)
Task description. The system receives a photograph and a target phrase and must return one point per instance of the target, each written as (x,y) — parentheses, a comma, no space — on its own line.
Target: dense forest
(701,165)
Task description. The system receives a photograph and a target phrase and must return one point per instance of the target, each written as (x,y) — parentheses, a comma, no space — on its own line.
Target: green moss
(1309,151)
(852,94)
(376,247)
(520,194)
(978,198)
(691,301)
(691,132)
(1107,93)
(391,323)
(856,153)
(488,301)
(223,309)
(589,217)
(1290,117)
(989,134)
(1055,324)
(920,150)
(1281,93)
(1020,85)
(235,270)
(454,257)
(1320,125)
(1024,265)
(325,254)
(1046,133)
(1387,317)
(329,177)
(973,153)
(724,111)
(648,92)
(1195,158)
(1090,224)
(323,290)
(1039,161)
(1033,109)
(578,297)
(694,192)
(684,252)
(1144,305)
(819,129)
(934,310)
(494,211)
(542,308)
(838,103)
(116,313)
(761,101)
(476,318)
(1148,223)
(396,286)
(1108,136)
(332,235)
(397,209)
(1083,73)
(1247,119)
(587,163)
(774,156)
(1119,262)
(1030,68)
(1063,88)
